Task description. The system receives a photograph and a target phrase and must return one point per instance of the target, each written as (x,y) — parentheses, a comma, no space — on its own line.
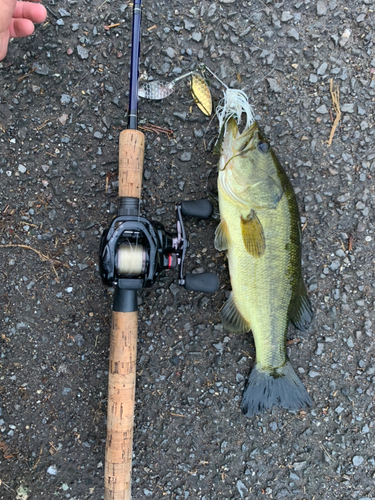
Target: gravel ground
(62,106)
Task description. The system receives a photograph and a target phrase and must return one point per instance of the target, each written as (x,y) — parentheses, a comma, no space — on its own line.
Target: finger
(7,8)
(27,10)
(4,40)
(21,27)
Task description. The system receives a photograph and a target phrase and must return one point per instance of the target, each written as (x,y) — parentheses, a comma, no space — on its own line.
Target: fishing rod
(133,252)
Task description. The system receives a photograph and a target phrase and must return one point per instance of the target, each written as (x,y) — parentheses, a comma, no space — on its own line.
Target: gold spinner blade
(201,94)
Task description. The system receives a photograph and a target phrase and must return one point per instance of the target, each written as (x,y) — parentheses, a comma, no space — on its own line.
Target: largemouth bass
(260,230)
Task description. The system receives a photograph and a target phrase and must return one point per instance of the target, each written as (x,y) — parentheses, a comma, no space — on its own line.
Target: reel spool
(131,260)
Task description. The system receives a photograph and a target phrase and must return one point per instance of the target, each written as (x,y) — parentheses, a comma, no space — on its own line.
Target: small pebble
(82,52)
(186,156)
(321,8)
(52,469)
(357,460)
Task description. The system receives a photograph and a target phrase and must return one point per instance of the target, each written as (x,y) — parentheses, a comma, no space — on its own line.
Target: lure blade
(201,94)
(156,90)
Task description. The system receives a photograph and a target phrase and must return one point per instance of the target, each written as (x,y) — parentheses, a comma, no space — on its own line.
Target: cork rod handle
(121,400)
(131,154)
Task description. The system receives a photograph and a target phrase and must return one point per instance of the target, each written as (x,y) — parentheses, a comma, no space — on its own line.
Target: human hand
(17,20)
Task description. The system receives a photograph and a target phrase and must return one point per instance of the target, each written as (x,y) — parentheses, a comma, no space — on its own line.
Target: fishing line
(131,260)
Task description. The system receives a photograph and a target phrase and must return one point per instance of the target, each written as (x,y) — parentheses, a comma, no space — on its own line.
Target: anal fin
(301,313)
(232,319)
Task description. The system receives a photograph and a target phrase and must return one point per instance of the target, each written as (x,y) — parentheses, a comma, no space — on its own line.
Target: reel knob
(204,282)
(202,209)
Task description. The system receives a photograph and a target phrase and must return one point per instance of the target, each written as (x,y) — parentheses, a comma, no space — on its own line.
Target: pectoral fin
(232,319)
(301,313)
(221,237)
(253,235)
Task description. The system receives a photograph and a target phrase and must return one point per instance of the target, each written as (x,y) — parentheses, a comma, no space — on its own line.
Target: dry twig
(335,94)
(40,254)
(155,128)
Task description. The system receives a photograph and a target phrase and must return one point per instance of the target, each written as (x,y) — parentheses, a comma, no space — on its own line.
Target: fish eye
(263,147)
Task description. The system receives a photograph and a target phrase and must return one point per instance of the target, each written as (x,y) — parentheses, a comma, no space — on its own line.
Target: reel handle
(204,282)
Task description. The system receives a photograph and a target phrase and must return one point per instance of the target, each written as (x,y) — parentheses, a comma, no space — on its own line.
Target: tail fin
(280,387)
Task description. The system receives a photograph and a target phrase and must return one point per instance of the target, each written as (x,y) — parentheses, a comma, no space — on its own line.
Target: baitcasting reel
(134,250)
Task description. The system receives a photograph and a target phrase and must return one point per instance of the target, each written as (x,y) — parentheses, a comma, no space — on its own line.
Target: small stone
(274,86)
(41,69)
(321,8)
(313,374)
(286,16)
(188,24)
(320,349)
(236,59)
(197,36)
(322,68)
(82,52)
(147,493)
(63,118)
(349,342)
(22,169)
(242,488)
(293,33)
(334,265)
(313,78)
(299,465)
(170,52)
(69,52)
(365,429)
(52,215)
(347,108)
(186,156)
(165,68)
(211,10)
(322,109)
(65,99)
(98,135)
(75,26)
(345,37)
(64,13)
(60,22)
(69,289)
(273,426)
(361,111)
(357,460)
(52,470)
